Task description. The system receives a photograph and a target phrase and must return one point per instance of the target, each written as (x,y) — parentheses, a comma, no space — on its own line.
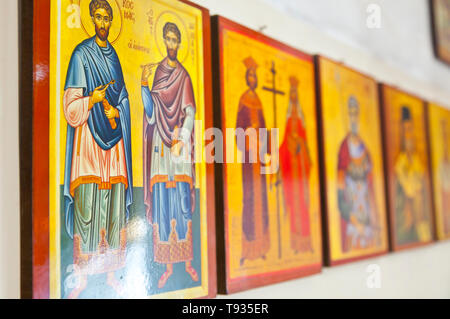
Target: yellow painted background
(145,30)
(437,114)
(139,33)
(337,85)
(237,47)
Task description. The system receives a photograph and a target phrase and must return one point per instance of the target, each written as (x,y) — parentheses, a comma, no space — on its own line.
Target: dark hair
(353,103)
(406,113)
(169,26)
(97,4)
(405,117)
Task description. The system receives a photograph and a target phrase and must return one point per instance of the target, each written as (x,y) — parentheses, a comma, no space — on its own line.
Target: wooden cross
(276,92)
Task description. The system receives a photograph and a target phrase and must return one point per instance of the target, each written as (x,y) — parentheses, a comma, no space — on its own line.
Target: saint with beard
(98,178)
(169,175)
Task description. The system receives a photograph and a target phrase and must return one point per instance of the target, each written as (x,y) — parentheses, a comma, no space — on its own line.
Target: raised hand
(147,71)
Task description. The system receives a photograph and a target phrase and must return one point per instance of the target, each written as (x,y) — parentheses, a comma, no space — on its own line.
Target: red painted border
(40,201)
(326,226)
(244,283)
(40,196)
(225,23)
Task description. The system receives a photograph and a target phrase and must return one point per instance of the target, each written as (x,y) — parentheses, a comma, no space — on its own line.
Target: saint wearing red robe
(169,168)
(295,164)
(255,218)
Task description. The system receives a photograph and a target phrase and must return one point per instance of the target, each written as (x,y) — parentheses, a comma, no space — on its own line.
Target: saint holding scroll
(169,175)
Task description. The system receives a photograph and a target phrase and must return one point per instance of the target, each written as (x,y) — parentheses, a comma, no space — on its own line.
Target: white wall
(419,273)
(9,152)
(399,53)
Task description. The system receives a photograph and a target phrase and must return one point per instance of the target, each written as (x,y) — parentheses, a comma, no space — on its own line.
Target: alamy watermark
(373,280)
(373,20)
(252,145)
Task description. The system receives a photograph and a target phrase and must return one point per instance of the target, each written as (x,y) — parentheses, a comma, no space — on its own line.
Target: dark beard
(102,34)
(172,54)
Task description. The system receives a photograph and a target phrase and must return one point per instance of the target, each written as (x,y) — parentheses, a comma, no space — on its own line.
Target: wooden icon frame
(36,225)
(329,230)
(389,157)
(227,284)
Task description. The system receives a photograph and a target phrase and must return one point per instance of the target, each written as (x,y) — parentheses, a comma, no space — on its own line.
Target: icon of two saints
(98,181)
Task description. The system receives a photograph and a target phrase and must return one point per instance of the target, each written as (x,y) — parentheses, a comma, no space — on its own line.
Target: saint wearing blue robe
(98,180)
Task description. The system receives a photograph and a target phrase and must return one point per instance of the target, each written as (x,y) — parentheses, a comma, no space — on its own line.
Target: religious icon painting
(355,219)
(407,169)
(268,205)
(125,203)
(440,17)
(439,137)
